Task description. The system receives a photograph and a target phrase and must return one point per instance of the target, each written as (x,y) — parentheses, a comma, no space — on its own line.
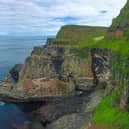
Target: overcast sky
(45,17)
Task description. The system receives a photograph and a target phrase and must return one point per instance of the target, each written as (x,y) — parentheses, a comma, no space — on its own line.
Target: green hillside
(83,36)
(111,115)
(122,21)
(120,43)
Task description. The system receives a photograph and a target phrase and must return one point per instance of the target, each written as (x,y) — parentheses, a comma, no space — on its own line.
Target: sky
(45,17)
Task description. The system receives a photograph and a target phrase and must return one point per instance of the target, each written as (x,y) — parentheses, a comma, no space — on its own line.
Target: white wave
(2,103)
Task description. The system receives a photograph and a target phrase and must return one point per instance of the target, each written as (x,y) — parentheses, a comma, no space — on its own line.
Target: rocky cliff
(70,75)
(120,24)
(63,77)
(57,69)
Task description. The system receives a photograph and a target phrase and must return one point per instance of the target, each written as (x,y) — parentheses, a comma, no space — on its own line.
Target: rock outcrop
(56,71)
(66,82)
(53,70)
(72,121)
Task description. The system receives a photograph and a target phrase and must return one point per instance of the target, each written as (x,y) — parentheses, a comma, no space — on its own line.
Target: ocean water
(14,51)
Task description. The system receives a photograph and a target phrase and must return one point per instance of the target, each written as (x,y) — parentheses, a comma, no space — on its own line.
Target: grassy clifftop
(79,37)
(83,35)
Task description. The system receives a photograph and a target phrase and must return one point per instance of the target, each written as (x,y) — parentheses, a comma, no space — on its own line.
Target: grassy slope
(123,19)
(119,45)
(80,37)
(108,114)
(83,36)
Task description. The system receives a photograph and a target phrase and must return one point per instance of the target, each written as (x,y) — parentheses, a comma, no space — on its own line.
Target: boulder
(71,121)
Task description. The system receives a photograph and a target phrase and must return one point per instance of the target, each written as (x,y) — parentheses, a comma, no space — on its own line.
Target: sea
(14,50)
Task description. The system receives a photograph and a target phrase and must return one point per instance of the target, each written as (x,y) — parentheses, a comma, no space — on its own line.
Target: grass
(83,36)
(119,45)
(79,38)
(111,115)
(122,20)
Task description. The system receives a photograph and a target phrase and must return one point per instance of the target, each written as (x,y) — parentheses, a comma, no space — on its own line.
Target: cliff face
(57,69)
(71,76)
(64,81)
(120,24)
(69,84)
(54,70)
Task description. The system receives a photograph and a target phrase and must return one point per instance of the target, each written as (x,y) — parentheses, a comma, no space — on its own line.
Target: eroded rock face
(14,73)
(46,88)
(56,108)
(56,61)
(53,70)
(59,107)
(101,64)
(56,70)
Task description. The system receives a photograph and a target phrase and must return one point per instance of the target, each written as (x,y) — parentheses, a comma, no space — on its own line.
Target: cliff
(120,24)
(60,68)
(63,76)
(71,79)
(82,36)
(81,78)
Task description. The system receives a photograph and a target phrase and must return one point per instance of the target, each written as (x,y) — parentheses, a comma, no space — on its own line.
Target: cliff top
(79,37)
(83,35)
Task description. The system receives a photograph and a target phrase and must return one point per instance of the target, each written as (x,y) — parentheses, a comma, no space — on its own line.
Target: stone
(71,121)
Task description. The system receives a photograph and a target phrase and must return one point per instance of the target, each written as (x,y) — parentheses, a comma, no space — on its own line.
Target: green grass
(119,45)
(79,38)
(123,19)
(108,114)
(83,36)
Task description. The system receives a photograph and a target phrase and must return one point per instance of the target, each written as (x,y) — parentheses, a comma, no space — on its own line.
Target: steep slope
(117,36)
(120,24)
(122,20)
(114,106)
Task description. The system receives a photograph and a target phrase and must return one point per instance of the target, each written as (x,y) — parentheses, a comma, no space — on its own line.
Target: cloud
(45,17)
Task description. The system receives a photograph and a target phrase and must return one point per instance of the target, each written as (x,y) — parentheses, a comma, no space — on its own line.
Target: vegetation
(123,19)
(108,113)
(119,45)
(79,38)
(83,36)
